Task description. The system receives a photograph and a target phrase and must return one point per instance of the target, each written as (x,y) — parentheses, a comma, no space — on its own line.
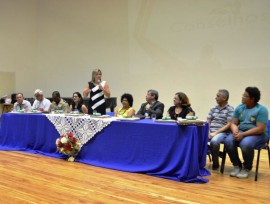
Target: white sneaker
(235,171)
(244,173)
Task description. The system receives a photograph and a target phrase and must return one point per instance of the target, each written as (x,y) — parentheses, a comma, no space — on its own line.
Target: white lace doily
(83,127)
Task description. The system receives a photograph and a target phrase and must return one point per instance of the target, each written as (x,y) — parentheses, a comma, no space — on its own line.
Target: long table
(164,150)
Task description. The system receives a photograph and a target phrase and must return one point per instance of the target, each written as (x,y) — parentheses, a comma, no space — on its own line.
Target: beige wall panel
(192,46)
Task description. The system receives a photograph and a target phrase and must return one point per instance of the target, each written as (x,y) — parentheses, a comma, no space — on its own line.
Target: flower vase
(71,159)
(69,145)
(72,156)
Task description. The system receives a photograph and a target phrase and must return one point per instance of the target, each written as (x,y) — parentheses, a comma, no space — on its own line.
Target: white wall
(18,42)
(194,46)
(7,83)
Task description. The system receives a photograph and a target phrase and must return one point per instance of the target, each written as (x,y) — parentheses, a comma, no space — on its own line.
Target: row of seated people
(244,126)
(43,104)
(151,108)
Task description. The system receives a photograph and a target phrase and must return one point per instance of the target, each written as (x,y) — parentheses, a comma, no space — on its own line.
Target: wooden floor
(29,178)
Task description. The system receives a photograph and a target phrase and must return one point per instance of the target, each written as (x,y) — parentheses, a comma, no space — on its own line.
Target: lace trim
(83,127)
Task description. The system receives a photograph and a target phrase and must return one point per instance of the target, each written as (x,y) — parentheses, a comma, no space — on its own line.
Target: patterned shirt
(219,117)
(62,105)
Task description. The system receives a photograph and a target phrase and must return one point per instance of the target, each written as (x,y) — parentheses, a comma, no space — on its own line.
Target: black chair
(259,148)
(13,98)
(111,103)
(221,154)
(209,153)
(264,146)
(31,100)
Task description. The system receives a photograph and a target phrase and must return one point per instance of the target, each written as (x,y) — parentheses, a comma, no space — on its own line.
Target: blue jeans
(247,145)
(215,145)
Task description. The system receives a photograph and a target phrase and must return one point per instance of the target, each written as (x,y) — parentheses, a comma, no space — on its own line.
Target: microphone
(99,85)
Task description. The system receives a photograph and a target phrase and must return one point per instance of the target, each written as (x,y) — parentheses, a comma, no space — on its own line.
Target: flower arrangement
(68,145)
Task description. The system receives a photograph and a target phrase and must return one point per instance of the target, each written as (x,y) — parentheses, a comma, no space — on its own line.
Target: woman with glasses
(77,104)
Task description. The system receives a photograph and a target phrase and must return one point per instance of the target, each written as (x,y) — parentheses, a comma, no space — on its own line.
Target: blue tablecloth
(165,150)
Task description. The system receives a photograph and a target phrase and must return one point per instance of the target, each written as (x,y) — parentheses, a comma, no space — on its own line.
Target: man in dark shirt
(152,107)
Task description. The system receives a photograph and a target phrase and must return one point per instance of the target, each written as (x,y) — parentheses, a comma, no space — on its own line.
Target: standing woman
(97,89)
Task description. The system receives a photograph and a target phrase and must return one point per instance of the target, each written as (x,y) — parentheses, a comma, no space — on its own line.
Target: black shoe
(215,167)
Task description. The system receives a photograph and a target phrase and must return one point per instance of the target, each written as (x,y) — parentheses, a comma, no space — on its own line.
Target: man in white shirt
(41,103)
(21,104)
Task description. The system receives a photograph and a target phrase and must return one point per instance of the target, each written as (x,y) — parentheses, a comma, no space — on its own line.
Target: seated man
(249,129)
(41,103)
(219,119)
(152,105)
(58,103)
(21,104)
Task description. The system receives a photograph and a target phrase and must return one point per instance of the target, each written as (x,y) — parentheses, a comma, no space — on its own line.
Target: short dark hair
(19,93)
(55,94)
(154,93)
(129,98)
(254,92)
